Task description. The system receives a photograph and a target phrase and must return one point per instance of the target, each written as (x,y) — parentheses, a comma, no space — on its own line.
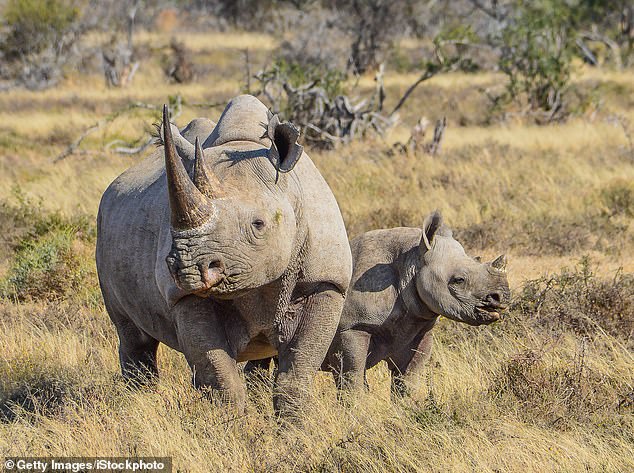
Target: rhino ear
(431,225)
(499,263)
(284,152)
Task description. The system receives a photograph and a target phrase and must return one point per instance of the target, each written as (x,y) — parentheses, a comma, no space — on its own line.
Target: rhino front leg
(301,356)
(410,361)
(203,340)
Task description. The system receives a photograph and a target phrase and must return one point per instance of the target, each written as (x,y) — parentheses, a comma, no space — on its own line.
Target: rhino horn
(189,207)
(499,263)
(206,182)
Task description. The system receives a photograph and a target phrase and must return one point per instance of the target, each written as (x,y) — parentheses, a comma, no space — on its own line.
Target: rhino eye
(457,280)
(258,223)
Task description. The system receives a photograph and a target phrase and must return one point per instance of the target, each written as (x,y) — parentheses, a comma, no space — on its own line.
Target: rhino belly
(258,348)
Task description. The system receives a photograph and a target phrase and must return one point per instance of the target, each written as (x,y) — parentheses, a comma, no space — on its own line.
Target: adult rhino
(403,279)
(230,251)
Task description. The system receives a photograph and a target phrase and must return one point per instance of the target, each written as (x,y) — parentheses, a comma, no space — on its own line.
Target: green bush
(51,254)
(34,25)
(537,46)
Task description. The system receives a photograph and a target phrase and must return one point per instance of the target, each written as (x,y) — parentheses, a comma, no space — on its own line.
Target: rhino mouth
(226,286)
(487,314)
(211,277)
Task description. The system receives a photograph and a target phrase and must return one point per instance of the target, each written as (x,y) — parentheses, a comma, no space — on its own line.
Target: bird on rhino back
(229,251)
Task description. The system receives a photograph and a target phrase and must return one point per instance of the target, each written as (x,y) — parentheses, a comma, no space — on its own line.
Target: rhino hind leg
(137,355)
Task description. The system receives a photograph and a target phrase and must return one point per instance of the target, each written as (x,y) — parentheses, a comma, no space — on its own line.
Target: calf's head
(455,285)
(232,236)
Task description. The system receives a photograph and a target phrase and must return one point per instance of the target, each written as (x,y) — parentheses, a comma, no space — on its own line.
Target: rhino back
(199,128)
(378,265)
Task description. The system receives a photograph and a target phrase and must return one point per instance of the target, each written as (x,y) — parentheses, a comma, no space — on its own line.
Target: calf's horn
(499,263)
(189,207)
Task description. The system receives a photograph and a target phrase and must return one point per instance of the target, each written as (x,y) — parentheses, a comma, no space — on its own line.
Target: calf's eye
(258,224)
(457,280)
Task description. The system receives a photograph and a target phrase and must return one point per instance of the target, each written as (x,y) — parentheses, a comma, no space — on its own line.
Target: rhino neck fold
(284,321)
(407,292)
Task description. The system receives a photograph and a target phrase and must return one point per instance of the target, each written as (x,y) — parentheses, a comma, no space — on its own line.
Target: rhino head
(455,285)
(232,236)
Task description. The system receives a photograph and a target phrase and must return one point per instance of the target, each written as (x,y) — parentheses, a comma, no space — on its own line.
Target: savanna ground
(549,388)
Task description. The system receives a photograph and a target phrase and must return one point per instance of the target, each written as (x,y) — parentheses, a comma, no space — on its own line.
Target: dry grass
(531,393)
(483,407)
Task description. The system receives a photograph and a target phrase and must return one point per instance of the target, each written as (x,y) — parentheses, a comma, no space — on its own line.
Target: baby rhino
(403,279)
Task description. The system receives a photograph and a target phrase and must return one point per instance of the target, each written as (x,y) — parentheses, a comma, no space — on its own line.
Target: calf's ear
(284,152)
(431,225)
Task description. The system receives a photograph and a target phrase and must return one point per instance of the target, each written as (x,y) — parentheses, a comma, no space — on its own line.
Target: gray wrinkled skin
(199,128)
(403,279)
(235,261)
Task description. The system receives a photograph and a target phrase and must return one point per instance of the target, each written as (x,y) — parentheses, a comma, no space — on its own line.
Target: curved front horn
(206,182)
(189,207)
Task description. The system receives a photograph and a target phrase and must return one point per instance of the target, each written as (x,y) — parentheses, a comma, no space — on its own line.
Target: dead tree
(416,142)
(118,58)
(179,66)
(325,120)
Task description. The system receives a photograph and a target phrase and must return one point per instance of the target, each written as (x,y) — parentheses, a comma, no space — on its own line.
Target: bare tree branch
(428,74)
(72,148)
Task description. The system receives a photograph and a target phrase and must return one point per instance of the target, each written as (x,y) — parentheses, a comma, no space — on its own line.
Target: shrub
(372,26)
(578,300)
(51,253)
(40,35)
(178,65)
(537,47)
(552,389)
(618,198)
(317,42)
(35,24)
